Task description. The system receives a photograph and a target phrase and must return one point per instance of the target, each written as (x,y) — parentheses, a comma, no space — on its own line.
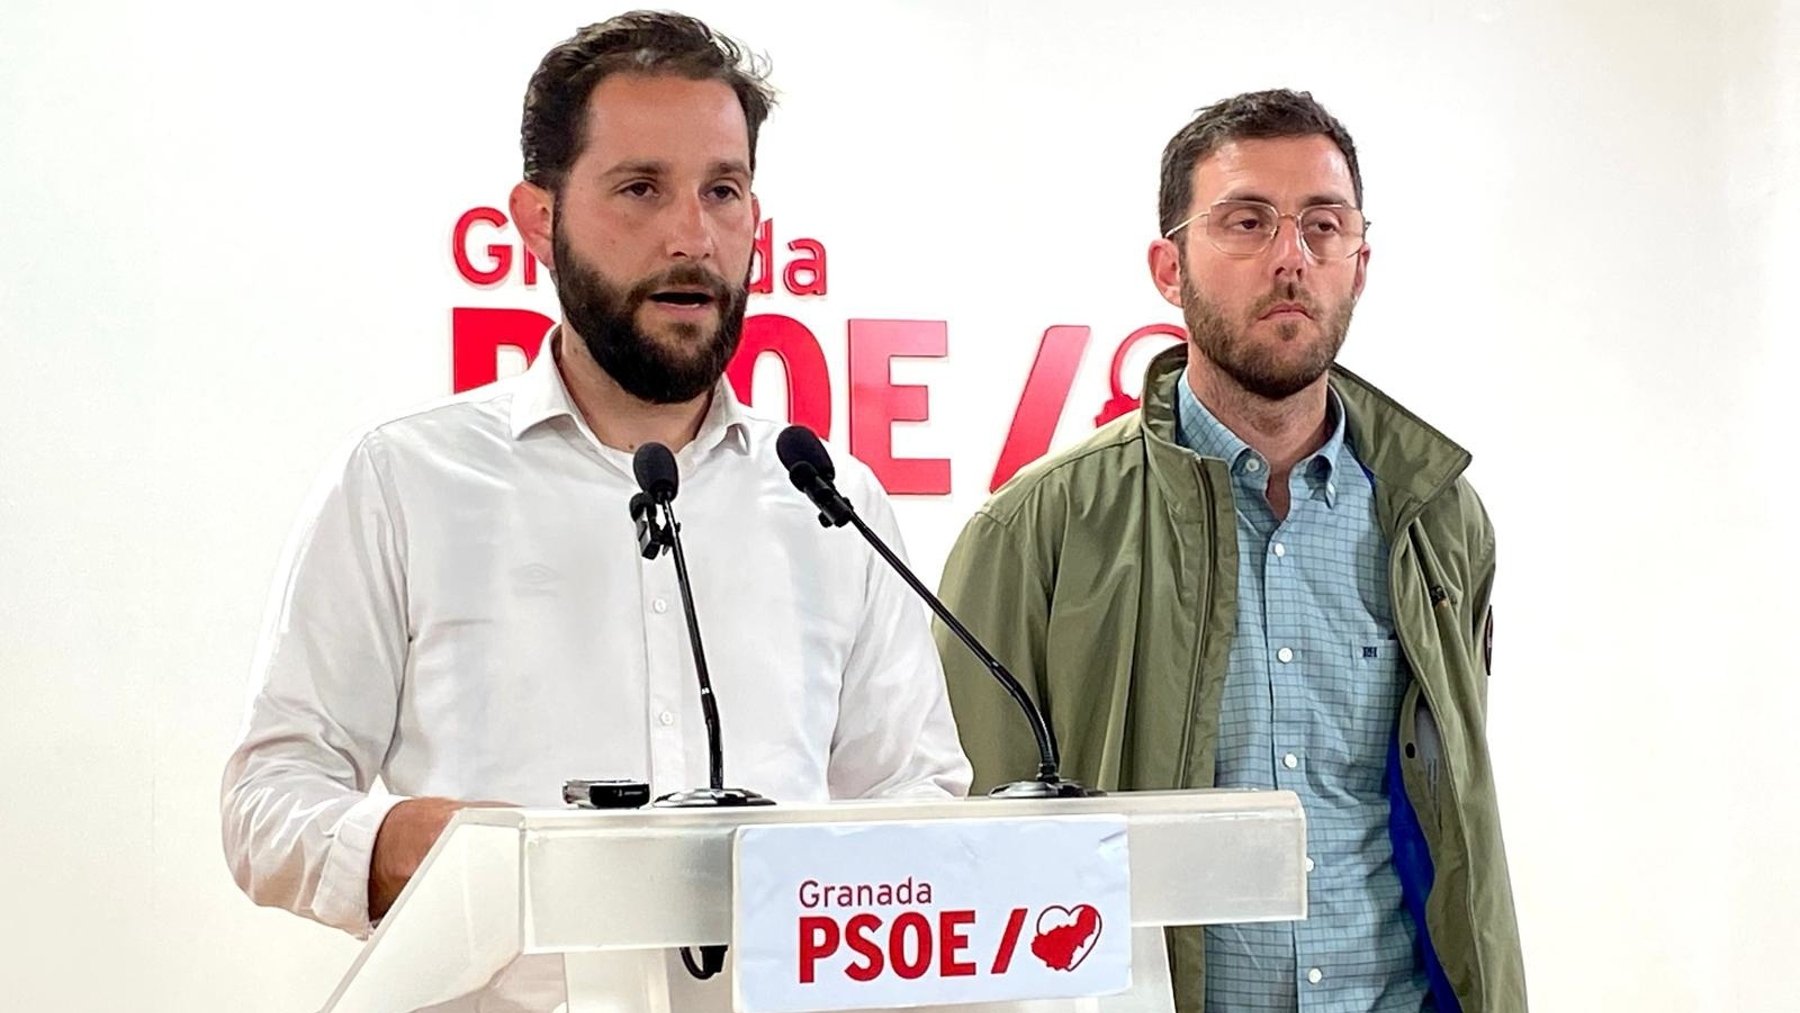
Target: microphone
(654,467)
(810,469)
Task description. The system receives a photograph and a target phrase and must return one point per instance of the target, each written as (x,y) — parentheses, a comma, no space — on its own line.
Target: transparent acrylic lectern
(614,893)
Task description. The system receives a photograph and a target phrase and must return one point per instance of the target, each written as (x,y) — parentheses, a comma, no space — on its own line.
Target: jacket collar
(1411,462)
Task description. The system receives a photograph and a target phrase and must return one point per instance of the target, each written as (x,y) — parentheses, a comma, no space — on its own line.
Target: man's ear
(1165,270)
(534,216)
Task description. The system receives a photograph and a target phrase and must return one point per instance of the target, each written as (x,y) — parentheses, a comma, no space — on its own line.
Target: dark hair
(1256,114)
(643,42)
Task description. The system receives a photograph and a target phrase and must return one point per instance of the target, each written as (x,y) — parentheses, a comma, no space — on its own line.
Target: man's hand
(408,832)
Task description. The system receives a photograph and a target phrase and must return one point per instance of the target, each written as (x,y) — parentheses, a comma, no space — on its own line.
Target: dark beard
(605,315)
(1251,365)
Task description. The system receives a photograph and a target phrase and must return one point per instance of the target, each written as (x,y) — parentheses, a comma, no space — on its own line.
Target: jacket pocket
(1422,756)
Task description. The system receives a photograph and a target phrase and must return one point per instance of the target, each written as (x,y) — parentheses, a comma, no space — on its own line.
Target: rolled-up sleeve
(297,817)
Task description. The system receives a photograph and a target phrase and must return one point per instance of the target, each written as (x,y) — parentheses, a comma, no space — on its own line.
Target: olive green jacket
(1105,578)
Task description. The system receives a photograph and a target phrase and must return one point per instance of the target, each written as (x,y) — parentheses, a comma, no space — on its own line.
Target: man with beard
(464,612)
(1271,576)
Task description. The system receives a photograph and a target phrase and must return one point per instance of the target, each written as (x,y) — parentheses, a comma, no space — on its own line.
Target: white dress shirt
(463,612)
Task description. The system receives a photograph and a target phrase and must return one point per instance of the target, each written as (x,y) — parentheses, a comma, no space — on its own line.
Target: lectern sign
(855,915)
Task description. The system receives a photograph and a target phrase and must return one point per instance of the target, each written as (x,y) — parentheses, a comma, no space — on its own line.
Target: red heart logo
(1065,936)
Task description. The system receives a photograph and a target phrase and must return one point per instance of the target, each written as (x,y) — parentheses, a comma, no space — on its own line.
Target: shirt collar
(541,395)
(1199,430)
(726,422)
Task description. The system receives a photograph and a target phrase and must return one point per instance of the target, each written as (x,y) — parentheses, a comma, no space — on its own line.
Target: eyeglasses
(1245,228)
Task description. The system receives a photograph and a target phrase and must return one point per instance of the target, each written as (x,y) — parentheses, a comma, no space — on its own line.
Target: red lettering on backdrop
(500,254)
(876,403)
(812,266)
(1041,402)
(476,336)
(804,275)
(1121,402)
(808,380)
(762,259)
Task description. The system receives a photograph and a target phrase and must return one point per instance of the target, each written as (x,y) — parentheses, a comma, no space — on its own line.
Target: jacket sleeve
(297,817)
(999,588)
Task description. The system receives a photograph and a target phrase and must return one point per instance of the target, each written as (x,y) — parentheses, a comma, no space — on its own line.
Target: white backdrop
(224,244)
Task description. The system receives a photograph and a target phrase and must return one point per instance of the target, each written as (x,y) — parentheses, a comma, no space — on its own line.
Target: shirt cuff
(343,899)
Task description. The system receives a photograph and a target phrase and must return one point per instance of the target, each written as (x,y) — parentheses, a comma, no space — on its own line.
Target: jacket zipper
(1187,735)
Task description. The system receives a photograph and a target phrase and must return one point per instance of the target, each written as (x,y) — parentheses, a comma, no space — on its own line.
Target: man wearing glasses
(1270,576)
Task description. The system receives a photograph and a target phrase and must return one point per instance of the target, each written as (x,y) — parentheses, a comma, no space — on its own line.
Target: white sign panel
(858,915)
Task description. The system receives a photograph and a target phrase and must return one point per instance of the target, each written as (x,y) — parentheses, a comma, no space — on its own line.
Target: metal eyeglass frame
(1279,215)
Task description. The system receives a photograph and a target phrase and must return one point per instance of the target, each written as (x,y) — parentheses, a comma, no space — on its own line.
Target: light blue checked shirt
(1312,696)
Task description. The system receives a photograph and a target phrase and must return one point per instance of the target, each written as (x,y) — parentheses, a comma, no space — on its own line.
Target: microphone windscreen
(800,445)
(656,473)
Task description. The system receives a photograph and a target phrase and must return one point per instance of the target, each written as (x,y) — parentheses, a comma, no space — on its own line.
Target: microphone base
(1048,788)
(711,798)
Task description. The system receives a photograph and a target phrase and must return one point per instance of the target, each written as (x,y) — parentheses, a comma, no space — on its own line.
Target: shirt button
(1315,976)
(1252,465)
(1290,761)
(666,718)
(1285,655)
(659,606)
(1309,865)
(1280,549)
